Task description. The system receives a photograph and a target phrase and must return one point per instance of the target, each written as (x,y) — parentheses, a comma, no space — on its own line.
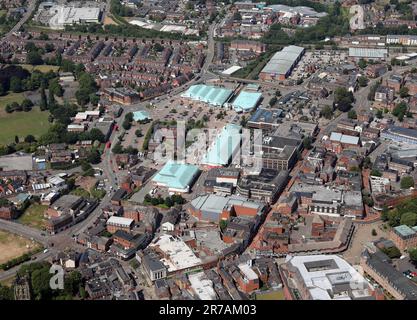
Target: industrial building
(213,207)
(400,134)
(215,96)
(282,63)
(224,147)
(246,101)
(66,16)
(177,177)
(368,53)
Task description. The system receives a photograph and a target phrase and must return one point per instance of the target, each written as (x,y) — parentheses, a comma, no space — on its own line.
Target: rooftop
(141,115)
(178,255)
(246,101)
(224,146)
(216,96)
(176,175)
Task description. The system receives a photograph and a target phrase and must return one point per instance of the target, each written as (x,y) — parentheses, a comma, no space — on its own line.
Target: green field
(274,295)
(34,122)
(33,216)
(41,68)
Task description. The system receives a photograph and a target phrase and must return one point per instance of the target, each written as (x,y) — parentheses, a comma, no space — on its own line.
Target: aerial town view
(208,150)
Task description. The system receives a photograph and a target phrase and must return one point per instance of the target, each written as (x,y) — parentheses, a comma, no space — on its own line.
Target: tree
(413,255)
(273,101)
(404,92)
(6,293)
(362,63)
(362,81)
(44,103)
(16,139)
(327,112)
(352,114)
(9,108)
(27,105)
(94,157)
(407,182)
(409,219)
(97,135)
(376,173)
(343,99)
(85,166)
(56,88)
(392,252)
(379,114)
(118,148)
(2,91)
(40,283)
(223,224)
(34,57)
(367,163)
(400,110)
(307,143)
(138,133)
(126,124)
(16,84)
(169,202)
(30,138)
(374,233)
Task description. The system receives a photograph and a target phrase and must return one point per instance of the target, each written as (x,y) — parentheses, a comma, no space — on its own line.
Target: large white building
(326,277)
(65,15)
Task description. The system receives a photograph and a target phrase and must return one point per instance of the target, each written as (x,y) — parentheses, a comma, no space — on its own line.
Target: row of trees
(26,106)
(168,201)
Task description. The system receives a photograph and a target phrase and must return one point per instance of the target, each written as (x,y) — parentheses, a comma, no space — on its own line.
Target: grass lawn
(41,68)
(80,192)
(13,246)
(274,295)
(33,216)
(8,99)
(34,122)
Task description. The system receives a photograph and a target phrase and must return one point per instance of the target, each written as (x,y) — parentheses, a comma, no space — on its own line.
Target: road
(31,7)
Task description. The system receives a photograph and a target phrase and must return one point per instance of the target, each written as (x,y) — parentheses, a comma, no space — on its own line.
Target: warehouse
(246,101)
(282,63)
(212,95)
(368,53)
(177,177)
(70,15)
(225,145)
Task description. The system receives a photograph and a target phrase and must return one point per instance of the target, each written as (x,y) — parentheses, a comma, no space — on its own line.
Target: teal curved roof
(209,94)
(176,175)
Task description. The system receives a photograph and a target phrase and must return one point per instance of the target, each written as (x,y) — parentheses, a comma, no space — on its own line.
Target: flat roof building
(246,101)
(400,134)
(177,177)
(282,63)
(224,147)
(368,53)
(141,115)
(325,277)
(213,208)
